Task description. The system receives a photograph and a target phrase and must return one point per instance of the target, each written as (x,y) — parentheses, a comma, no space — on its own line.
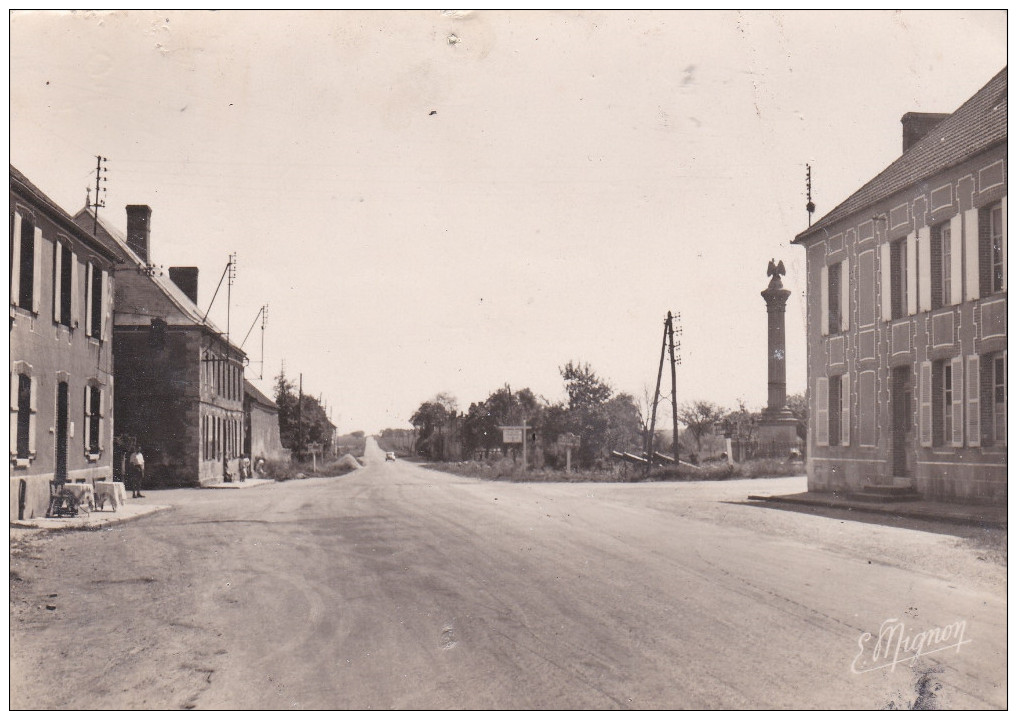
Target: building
(180,382)
(61,359)
(906,325)
(261,426)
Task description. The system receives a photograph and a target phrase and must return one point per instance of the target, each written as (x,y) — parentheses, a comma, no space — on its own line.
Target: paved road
(396,586)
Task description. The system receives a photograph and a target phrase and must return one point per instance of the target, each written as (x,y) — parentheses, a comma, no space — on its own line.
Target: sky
(449,201)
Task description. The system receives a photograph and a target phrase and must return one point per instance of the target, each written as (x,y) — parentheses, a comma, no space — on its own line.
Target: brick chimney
(139,226)
(917,126)
(186,279)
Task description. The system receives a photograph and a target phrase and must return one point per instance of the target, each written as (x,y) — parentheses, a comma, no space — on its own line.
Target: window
(63,289)
(835,411)
(25,242)
(93,421)
(942,266)
(833,291)
(24,393)
(999,399)
(991,250)
(898,279)
(946,382)
(95,303)
(996,247)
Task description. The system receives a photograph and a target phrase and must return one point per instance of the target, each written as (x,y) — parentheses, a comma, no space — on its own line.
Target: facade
(261,425)
(61,359)
(906,324)
(180,389)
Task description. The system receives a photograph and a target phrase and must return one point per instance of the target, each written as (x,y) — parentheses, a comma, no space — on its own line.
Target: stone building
(906,326)
(180,383)
(61,374)
(261,425)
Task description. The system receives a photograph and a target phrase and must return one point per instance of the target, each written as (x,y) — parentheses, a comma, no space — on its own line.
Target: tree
(699,417)
(432,421)
(585,389)
(799,406)
(302,419)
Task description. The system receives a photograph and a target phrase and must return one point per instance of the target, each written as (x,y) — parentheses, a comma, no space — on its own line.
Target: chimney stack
(139,226)
(917,126)
(186,279)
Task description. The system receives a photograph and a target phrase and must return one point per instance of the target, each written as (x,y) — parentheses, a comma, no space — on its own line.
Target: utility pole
(656,396)
(674,389)
(99,199)
(300,418)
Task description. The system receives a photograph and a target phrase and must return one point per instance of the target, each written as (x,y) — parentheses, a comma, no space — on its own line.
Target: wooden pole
(674,390)
(653,409)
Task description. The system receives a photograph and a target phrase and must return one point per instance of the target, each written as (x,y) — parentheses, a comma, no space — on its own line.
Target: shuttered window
(835,411)
(925,406)
(24,396)
(973,387)
(93,420)
(898,279)
(63,288)
(26,264)
(999,399)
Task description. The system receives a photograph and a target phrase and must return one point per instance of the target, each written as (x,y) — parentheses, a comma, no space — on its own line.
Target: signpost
(515,434)
(568,441)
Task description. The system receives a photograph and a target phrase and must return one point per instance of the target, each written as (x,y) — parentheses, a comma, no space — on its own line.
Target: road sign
(512,435)
(568,440)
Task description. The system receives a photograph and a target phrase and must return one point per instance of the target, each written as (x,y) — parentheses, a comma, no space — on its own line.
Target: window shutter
(956,264)
(87,430)
(33,407)
(14,414)
(925,269)
(822,412)
(957,405)
(824,300)
(845,295)
(1003,205)
(974,404)
(971,279)
(37,272)
(99,445)
(88,298)
(845,410)
(912,257)
(57,272)
(16,259)
(925,404)
(75,296)
(885,289)
(104,310)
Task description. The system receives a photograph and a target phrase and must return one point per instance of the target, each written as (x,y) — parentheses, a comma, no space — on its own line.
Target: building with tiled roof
(906,326)
(180,380)
(61,362)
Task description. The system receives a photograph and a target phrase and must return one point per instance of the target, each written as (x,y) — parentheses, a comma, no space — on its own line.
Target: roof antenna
(810,206)
(100,192)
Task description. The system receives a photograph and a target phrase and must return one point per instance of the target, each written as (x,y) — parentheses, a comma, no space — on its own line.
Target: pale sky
(437,202)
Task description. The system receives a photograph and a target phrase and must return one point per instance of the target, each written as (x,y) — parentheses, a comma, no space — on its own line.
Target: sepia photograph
(492,359)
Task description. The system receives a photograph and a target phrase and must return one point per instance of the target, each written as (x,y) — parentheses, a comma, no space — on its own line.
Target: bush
(284,471)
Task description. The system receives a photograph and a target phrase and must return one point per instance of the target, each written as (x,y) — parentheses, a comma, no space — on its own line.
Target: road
(397,586)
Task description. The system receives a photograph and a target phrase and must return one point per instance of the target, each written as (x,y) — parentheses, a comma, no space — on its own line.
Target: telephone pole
(667,345)
(100,200)
(674,387)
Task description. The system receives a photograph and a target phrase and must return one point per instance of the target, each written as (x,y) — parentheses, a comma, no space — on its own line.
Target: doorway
(61,433)
(901,402)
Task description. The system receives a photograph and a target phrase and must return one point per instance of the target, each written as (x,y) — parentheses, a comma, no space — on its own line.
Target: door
(902,396)
(61,433)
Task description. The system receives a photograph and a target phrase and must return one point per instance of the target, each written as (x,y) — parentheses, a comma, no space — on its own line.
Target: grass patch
(284,471)
(507,470)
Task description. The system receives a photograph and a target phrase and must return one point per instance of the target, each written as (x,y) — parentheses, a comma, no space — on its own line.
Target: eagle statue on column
(775,271)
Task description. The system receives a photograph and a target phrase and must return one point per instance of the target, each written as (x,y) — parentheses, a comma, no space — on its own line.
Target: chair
(61,502)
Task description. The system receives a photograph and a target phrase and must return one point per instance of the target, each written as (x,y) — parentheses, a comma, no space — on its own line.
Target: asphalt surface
(400,587)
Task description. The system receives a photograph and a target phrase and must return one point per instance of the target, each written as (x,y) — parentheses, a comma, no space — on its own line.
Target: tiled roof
(26,186)
(179,299)
(255,394)
(979,124)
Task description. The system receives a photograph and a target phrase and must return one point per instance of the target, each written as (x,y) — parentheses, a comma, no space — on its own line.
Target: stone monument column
(777,424)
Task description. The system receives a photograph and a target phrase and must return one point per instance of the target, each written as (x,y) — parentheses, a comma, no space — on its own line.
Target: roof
(259,397)
(979,124)
(183,304)
(23,185)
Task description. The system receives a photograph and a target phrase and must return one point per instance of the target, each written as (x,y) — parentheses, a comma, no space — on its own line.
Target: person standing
(135,473)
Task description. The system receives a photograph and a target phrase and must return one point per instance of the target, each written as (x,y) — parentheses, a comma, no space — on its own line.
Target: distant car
(389,456)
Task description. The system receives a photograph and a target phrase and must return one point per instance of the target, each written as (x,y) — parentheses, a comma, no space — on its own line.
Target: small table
(84,493)
(112,491)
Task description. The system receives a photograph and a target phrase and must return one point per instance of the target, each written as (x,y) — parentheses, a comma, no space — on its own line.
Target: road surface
(401,587)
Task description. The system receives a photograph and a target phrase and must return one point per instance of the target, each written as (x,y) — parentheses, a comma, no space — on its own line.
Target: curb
(946,517)
(250,483)
(94,520)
